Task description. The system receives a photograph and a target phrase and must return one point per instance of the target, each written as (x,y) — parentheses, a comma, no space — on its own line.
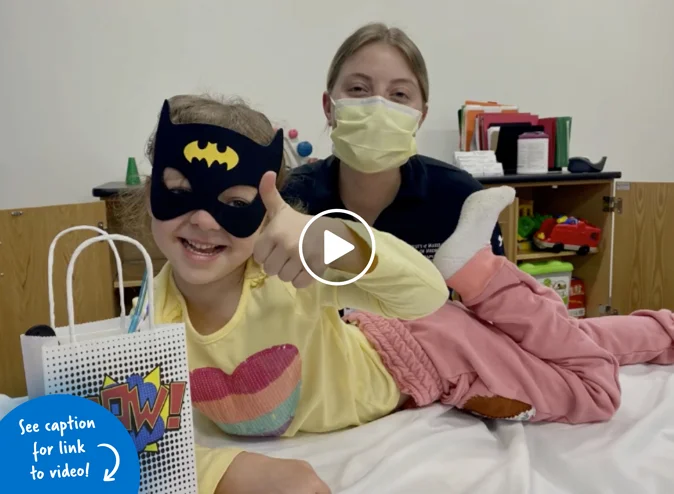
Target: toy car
(568,233)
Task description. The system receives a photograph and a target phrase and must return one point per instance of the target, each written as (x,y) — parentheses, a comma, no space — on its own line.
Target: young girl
(268,352)
(269,355)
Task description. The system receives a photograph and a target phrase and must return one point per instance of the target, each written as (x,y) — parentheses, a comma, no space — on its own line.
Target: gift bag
(142,377)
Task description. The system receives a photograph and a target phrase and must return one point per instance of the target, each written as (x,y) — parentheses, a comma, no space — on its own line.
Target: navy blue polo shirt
(424,213)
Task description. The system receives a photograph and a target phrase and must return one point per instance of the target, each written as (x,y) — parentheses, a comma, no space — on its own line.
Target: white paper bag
(141,377)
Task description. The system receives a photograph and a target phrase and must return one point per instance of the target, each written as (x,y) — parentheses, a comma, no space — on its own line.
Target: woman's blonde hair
(132,206)
(381,33)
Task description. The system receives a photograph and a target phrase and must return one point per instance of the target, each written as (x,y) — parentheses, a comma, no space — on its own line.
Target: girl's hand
(251,473)
(277,249)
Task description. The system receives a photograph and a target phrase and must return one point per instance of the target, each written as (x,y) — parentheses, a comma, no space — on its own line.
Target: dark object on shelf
(584,165)
(41,330)
(506,148)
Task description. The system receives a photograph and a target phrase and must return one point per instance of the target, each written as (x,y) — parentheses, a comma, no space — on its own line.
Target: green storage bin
(553,274)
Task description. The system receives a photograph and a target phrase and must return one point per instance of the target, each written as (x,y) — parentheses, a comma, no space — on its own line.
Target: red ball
(292,133)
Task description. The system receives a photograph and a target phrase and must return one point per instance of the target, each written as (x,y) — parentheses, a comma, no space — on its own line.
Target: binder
(496,119)
(562,141)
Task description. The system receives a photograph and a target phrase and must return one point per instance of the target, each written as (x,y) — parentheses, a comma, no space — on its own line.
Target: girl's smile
(197,251)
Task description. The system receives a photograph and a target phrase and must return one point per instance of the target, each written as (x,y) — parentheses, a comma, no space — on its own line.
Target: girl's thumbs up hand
(277,248)
(271,197)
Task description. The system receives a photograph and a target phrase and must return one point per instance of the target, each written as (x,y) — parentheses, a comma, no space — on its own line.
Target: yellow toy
(526,208)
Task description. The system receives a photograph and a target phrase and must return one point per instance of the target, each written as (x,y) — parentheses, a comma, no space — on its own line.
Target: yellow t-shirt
(286,362)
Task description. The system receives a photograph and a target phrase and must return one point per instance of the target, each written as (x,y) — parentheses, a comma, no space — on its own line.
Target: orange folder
(470,112)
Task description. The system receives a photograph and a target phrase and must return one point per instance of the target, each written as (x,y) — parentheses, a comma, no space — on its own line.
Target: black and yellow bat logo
(211,154)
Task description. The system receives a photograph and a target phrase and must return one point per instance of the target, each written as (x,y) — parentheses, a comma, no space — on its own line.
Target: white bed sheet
(440,451)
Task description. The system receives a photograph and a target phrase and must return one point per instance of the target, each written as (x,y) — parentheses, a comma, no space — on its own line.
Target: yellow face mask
(374,134)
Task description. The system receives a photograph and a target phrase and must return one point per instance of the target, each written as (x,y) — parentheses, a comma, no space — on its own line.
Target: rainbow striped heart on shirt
(258,399)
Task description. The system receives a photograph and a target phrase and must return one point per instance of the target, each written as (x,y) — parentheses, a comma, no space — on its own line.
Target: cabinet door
(25,236)
(643,262)
(508,223)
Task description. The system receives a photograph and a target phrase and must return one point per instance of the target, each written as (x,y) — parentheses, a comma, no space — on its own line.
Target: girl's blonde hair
(132,206)
(381,33)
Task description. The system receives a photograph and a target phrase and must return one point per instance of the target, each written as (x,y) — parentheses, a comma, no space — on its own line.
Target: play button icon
(335,247)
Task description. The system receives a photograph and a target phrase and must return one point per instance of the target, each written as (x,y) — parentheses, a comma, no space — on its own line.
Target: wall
(81,82)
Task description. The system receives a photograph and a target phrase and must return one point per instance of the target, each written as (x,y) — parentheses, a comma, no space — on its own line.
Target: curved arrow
(108,476)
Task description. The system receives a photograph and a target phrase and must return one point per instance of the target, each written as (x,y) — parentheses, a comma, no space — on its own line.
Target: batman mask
(212,159)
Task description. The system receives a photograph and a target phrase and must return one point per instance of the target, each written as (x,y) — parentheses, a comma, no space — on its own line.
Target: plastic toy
(528,225)
(526,208)
(298,151)
(525,246)
(132,176)
(568,233)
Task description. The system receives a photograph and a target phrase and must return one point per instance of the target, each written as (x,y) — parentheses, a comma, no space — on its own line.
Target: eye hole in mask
(176,182)
(237,196)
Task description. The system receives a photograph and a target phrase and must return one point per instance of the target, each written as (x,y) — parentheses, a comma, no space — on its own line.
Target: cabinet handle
(16,213)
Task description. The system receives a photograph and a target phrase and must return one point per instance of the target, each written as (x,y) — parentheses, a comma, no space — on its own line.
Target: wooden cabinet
(634,268)
(25,236)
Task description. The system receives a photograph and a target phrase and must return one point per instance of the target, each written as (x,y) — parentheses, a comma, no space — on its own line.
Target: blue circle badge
(64,444)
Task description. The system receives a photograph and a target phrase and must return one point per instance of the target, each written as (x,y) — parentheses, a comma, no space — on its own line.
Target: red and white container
(577,299)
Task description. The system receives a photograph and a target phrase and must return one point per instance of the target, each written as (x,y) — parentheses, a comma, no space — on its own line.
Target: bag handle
(71,268)
(50,272)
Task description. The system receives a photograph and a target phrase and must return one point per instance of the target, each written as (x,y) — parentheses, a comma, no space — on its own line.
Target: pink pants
(511,351)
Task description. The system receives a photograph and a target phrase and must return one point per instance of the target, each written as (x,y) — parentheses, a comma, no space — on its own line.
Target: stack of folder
(478,163)
(492,126)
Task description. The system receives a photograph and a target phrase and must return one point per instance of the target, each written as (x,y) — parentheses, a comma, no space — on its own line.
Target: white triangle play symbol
(334,247)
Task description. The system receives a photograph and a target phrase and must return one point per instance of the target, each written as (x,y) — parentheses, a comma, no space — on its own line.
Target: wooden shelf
(540,256)
(129,283)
